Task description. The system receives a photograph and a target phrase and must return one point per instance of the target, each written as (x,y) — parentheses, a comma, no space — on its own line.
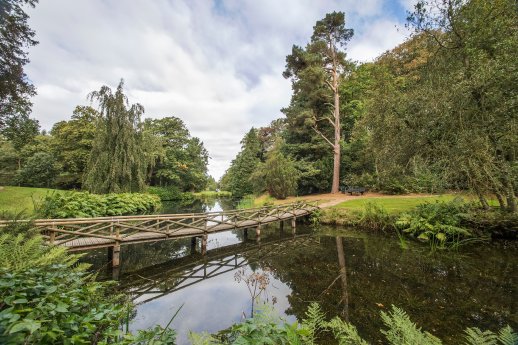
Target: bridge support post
(282,226)
(115,254)
(294,225)
(52,237)
(245,234)
(193,244)
(204,244)
(258,234)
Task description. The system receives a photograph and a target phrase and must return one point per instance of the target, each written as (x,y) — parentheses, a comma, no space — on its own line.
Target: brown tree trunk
(501,201)
(336,149)
(482,199)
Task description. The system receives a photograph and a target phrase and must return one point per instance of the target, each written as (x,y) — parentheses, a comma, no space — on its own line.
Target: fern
(402,331)
(313,323)
(507,337)
(345,333)
(475,336)
(17,252)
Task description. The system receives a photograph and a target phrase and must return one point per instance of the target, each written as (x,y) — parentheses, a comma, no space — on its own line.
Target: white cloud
(215,64)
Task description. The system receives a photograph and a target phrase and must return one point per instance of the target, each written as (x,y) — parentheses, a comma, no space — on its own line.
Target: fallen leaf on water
(380,305)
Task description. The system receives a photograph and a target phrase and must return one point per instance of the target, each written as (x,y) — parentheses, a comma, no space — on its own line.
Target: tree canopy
(15,37)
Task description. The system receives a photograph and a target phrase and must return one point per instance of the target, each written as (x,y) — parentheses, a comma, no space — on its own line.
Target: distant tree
(179,159)
(237,178)
(117,161)
(15,37)
(8,162)
(317,72)
(20,130)
(40,170)
(72,143)
(278,174)
(211,184)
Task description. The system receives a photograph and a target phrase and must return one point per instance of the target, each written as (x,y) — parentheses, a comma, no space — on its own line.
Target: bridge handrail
(57,221)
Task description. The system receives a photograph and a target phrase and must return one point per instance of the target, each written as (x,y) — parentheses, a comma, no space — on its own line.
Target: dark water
(443,292)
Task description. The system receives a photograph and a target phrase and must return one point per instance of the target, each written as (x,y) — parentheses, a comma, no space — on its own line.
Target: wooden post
(116,250)
(193,244)
(245,234)
(52,237)
(115,273)
(294,225)
(282,226)
(258,234)
(204,244)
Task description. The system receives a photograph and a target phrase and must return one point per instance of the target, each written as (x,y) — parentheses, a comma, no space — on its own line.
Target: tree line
(436,112)
(105,150)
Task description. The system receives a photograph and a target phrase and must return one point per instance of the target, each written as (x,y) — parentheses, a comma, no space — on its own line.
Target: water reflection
(351,274)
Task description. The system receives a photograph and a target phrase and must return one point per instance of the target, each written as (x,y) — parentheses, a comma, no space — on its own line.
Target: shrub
(167,193)
(84,204)
(374,217)
(45,298)
(439,222)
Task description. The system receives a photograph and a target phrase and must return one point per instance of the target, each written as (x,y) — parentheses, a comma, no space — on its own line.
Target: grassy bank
(394,204)
(212,194)
(17,199)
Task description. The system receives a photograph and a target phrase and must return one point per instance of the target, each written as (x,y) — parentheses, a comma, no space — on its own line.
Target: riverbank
(22,199)
(393,203)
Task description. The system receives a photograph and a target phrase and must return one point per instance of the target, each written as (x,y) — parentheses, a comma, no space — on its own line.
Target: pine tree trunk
(336,150)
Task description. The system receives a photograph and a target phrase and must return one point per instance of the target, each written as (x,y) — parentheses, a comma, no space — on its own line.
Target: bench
(353,190)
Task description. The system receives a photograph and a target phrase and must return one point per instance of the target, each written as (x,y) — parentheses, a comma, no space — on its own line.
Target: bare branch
(330,85)
(323,136)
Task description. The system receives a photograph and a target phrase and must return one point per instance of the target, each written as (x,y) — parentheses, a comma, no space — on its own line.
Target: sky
(216,64)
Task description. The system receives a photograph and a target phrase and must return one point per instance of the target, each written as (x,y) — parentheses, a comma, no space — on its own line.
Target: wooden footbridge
(91,233)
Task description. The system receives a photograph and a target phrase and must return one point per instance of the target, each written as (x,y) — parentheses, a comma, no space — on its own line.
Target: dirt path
(330,200)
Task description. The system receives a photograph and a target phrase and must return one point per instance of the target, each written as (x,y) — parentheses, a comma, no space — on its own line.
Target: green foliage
(55,305)
(17,253)
(238,177)
(179,160)
(263,328)
(278,174)
(20,130)
(440,222)
(72,142)
(40,170)
(46,298)
(266,328)
(314,323)
(402,331)
(15,38)
(315,110)
(374,217)
(84,204)
(167,193)
(344,332)
(117,162)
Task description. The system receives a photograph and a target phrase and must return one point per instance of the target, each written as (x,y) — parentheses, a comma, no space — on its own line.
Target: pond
(350,273)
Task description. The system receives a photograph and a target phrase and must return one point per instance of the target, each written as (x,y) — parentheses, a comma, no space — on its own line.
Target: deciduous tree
(117,162)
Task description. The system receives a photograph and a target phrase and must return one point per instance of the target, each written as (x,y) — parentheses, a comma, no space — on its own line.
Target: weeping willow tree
(117,161)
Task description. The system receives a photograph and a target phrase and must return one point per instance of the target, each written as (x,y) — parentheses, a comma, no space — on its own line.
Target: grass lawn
(16,199)
(395,203)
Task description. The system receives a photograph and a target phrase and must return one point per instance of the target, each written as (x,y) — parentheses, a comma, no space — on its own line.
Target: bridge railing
(108,230)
